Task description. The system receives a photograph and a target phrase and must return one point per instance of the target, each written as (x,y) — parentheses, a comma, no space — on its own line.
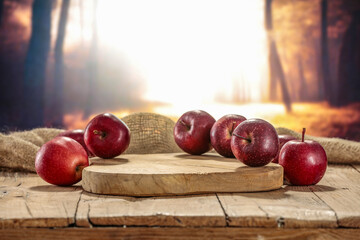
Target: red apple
(282,140)
(61,161)
(192,132)
(304,162)
(221,131)
(255,142)
(77,135)
(106,136)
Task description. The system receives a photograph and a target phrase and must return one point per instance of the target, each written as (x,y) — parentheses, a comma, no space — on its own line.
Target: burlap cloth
(150,133)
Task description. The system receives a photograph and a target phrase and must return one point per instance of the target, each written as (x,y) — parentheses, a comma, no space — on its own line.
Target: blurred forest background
(294,63)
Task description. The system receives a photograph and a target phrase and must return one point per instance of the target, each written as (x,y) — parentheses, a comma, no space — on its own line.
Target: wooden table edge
(105,233)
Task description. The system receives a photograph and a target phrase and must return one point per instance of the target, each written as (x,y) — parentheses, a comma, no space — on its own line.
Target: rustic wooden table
(33,209)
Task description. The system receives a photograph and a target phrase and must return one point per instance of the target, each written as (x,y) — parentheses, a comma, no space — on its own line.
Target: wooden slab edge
(173,184)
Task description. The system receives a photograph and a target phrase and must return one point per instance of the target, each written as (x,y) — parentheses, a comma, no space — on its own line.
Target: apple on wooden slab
(61,161)
(255,142)
(221,132)
(107,136)
(192,132)
(304,162)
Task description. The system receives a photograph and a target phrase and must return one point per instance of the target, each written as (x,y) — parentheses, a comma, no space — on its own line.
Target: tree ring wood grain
(177,174)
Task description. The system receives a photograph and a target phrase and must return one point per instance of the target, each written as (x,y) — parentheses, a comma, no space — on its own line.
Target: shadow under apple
(272,194)
(54,188)
(102,162)
(208,156)
(310,188)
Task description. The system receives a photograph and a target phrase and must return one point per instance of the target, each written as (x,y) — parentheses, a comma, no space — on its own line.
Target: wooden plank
(289,207)
(177,174)
(356,166)
(333,201)
(244,212)
(82,213)
(340,190)
(179,233)
(27,201)
(183,211)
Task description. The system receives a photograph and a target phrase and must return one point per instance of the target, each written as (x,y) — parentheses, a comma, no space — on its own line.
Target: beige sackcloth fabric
(150,133)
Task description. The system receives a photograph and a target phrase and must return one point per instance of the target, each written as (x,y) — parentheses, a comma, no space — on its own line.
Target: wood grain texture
(356,166)
(177,174)
(180,233)
(345,198)
(180,211)
(290,207)
(27,201)
(333,202)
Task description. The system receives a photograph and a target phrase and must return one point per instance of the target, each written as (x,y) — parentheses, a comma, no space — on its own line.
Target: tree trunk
(317,66)
(35,65)
(275,67)
(58,89)
(325,54)
(268,15)
(1,11)
(92,66)
(303,88)
(272,86)
(349,64)
(268,27)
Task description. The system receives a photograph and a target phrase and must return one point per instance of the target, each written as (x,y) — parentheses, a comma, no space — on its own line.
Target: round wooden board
(177,174)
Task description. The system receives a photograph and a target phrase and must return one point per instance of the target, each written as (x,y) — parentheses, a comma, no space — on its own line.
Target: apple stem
(232,128)
(80,168)
(249,140)
(78,171)
(101,133)
(182,122)
(303,134)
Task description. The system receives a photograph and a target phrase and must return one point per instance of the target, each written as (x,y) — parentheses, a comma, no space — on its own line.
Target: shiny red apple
(255,142)
(304,162)
(61,161)
(77,135)
(282,140)
(221,131)
(192,132)
(107,136)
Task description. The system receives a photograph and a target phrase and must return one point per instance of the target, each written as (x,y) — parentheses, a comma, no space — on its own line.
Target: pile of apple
(254,142)
(61,160)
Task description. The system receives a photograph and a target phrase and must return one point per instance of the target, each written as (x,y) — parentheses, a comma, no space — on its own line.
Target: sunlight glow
(265,111)
(217,110)
(190,52)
